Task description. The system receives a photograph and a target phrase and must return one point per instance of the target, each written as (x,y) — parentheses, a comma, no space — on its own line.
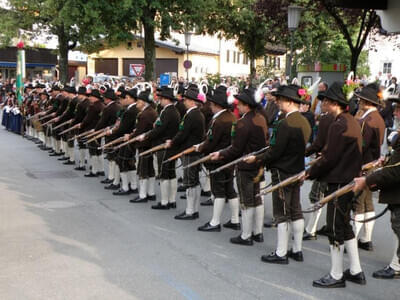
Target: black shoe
(367,246)
(183,197)
(52,151)
(63,158)
(101,173)
(80,169)
(138,200)
(112,187)
(38,142)
(329,282)
(69,163)
(55,154)
(358,278)
(239,241)
(121,193)
(181,188)
(205,194)
(184,216)
(135,191)
(107,181)
(160,206)
(172,205)
(274,258)
(210,228)
(309,236)
(180,179)
(91,175)
(208,202)
(322,231)
(386,273)
(234,226)
(46,148)
(270,224)
(196,215)
(259,238)
(297,256)
(151,198)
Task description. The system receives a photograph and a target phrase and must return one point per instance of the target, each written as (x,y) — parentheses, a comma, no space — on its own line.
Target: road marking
(283,288)
(316,251)
(221,255)
(163,229)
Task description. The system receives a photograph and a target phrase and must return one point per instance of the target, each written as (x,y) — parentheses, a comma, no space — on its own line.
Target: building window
(196,69)
(238,58)
(387,68)
(245,59)
(234,56)
(227,56)
(278,65)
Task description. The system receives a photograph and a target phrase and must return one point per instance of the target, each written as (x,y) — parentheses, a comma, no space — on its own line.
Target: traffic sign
(164,79)
(136,69)
(187,64)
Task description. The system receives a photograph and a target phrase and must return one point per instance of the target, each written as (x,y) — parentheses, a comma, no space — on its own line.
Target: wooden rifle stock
(240,159)
(50,122)
(132,140)
(70,129)
(199,161)
(112,143)
(62,124)
(100,135)
(180,154)
(81,135)
(154,149)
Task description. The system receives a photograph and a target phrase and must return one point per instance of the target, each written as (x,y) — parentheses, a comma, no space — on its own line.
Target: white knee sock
(164,189)
(111,167)
(352,251)
(258,219)
(65,148)
(337,261)
(133,179)
(205,182)
(117,175)
(283,239)
(218,207)
(124,181)
(41,136)
(143,188)
(247,222)
(313,221)
(395,264)
(190,200)
(234,206)
(71,151)
(94,164)
(173,184)
(368,228)
(357,225)
(100,160)
(151,184)
(58,146)
(82,157)
(298,229)
(197,193)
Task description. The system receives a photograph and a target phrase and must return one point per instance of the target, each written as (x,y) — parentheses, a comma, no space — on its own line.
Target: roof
(193,48)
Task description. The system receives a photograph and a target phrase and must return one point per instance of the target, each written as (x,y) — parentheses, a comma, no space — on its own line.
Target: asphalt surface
(64,237)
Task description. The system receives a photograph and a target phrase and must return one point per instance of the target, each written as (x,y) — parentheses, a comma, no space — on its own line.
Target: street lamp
(188,36)
(293,22)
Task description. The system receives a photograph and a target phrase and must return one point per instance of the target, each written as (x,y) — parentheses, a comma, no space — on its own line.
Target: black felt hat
(291,92)
(321,95)
(95,93)
(335,93)
(247,96)
(370,93)
(109,94)
(145,96)
(82,90)
(219,97)
(132,93)
(167,92)
(69,89)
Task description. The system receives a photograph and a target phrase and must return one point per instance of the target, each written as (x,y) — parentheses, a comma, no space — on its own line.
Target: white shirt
(217,114)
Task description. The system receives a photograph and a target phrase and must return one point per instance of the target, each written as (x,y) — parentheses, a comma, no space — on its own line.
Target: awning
(8,64)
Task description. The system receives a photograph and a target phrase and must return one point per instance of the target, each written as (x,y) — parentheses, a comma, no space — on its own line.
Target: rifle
(108,145)
(180,154)
(288,181)
(100,135)
(50,122)
(154,149)
(81,135)
(45,117)
(240,159)
(38,114)
(132,140)
(70,129)
(92,133)
(199,161)
(62,124)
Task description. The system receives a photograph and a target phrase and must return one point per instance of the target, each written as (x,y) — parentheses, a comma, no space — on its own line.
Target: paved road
(64,237)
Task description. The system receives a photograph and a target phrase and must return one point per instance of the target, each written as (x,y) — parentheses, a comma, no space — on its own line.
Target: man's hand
(360,184)
(215,156)
(303,177)
(126,137)
(251,159)
(57,119)
(141,137)
(197,147)
(168,143)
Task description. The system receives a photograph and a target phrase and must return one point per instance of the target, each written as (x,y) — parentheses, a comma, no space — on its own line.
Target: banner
(20,75)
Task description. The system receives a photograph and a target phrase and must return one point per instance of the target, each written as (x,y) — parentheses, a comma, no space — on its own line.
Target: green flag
(20,74)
